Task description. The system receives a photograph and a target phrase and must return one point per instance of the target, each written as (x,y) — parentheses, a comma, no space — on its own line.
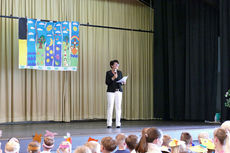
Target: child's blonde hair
(93,146)
(166,140)
(82,149)
(203,135)
(120,139)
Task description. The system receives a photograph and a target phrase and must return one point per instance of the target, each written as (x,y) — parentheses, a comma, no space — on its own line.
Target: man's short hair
(131,141)
(108,143)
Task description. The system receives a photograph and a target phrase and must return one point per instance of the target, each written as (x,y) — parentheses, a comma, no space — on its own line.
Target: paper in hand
(123,79)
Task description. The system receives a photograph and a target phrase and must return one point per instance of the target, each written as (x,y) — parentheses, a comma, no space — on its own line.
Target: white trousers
(111,98)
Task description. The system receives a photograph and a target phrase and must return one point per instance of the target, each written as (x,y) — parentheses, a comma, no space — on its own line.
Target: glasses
(116,64)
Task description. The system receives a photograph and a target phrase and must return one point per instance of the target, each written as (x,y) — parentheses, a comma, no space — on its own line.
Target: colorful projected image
(48,45)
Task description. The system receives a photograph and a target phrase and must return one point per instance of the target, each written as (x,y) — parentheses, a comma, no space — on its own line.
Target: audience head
(12,146)
(144,131)
(120,140)
(166,140)
(220,136)
(131,142)
(203,135)
(178,146)
(221,140)
(226,126)
(153,135)
(108,144)
(82,149)
(34,147)
(186,137)
(65,147)
(93,146)
(48,143)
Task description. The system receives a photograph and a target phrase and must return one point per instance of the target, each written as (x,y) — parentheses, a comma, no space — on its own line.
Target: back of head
(120,139)
(179,149)
(221,135)
(186,137)
(131,141)
(82,149)
(226,126)
(108,143)
(152,134)
(48,143)
(12,147)
(144,131)
(33,147)
(166,140)
(93,146)
(203,135)
(65,147)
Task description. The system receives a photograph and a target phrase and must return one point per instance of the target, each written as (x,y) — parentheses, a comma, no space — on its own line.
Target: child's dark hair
(152,134)
(49,142)
(108,143)
(112,62)
(131,141)
(186,137)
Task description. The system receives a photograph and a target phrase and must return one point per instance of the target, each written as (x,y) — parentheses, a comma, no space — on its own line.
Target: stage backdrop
(34,95)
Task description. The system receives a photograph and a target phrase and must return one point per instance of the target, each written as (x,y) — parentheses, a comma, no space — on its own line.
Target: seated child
(131,142)
(65,146)
(93,146)
(108,144)
(48,142)
(34,147)
(150,142)
(203,135)
(144,131)
(165,145)
(178,146)
(187,138)
(82,149)
(120,140)
(12,146)
(226,126)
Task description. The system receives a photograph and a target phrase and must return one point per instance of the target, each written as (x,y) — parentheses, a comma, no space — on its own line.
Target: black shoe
(118,126)
(109,127)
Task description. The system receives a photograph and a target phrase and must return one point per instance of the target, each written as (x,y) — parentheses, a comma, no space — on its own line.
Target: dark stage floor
(82,130)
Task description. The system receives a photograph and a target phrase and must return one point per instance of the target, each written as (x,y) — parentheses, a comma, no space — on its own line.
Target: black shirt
(112,84)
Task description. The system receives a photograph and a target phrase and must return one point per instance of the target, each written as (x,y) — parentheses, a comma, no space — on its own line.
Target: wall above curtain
(32,95)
